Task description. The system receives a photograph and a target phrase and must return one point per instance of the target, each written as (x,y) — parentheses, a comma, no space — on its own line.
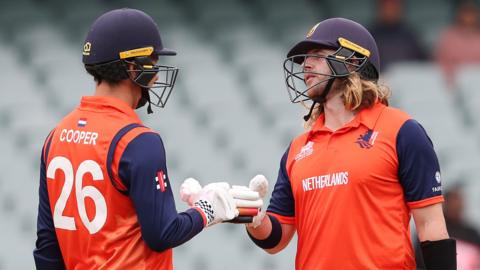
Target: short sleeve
(419,170)
(282,203)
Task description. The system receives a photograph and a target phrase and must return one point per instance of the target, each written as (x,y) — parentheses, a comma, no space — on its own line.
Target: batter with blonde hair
(349,185)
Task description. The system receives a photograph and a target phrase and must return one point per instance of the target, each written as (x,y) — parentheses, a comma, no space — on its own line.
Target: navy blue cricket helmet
(128,36)
(355,51)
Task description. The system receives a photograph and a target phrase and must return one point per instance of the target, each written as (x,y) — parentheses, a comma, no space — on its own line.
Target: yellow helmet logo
(353,46)
(86,48)
(312,30)
(145,51)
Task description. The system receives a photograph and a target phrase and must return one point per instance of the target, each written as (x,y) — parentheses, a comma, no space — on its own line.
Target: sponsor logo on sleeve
(160,180)
(438,178)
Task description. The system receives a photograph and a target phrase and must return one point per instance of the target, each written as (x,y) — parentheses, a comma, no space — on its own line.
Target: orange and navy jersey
(105,197)
(349,193)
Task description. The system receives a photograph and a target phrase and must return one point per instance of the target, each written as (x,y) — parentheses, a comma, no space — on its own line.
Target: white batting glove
(259,183)
(245,197)
(213,200)
(189,189)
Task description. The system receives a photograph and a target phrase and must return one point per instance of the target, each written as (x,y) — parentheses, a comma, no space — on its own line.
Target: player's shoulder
(298,142)
(396,114)
(301,136)
(393,119)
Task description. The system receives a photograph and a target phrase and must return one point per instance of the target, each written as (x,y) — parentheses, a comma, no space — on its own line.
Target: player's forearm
(166,234)
(47,253)
(47,263)
(430,223)
(439,252)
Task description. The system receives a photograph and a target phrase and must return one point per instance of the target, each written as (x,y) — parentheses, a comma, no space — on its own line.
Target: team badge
(86,48)
(160,180)
(306,151)
(367,140)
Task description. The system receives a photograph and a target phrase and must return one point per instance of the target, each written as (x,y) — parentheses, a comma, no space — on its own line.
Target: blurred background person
(229,53)
(396,40)
(466,235)
(459,43)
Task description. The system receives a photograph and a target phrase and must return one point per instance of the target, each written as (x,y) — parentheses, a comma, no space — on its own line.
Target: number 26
(87,166)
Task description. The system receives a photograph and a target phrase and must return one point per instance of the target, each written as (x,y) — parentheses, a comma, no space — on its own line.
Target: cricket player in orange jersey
(349,185)
(105,198)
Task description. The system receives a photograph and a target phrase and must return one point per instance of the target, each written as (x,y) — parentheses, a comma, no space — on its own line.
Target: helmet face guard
(142,74)
(342,63)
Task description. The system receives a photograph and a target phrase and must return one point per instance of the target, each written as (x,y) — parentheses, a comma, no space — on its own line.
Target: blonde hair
(357,95)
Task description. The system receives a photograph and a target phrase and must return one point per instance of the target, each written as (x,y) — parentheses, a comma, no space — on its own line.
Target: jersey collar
(367,117)
(104,104)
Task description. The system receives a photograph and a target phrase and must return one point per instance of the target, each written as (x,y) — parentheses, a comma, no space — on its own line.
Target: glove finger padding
(244,193)
(216,203)
(249,203)
(223,185)
(189,190)
(259,183)
(257,220)
(226,204)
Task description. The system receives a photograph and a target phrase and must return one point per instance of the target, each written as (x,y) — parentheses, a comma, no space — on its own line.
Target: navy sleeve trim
(418,167)
(282,201)
(47,254)
(47,146)
(111,152)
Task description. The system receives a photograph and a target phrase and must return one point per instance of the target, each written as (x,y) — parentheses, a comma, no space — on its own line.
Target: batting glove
(189,189)
(259,183)
(213,200)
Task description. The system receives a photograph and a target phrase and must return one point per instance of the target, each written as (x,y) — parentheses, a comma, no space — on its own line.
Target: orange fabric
(350,211)
(121,146)
(282,219)
(426,202)
(118,242)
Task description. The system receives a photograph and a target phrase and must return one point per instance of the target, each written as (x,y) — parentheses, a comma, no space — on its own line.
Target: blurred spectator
(396,41)
(468,238)
(459,44)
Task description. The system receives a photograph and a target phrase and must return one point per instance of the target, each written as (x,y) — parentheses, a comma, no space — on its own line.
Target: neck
(123,91)
(336,115)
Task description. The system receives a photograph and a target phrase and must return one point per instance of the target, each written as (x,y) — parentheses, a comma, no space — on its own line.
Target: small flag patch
(82,122)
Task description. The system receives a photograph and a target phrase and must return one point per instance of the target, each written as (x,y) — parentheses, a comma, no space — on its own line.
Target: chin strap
(144,99)
(321,99)
(147,97)
(306,117)
(149,108)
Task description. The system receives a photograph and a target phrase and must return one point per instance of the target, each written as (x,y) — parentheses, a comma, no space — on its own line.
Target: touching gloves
(213,200)
(220,202)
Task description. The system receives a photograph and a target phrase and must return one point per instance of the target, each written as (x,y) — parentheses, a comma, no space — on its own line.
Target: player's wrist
(267,236)
(206,210)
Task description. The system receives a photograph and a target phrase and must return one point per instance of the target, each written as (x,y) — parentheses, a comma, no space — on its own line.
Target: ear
(130,70)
